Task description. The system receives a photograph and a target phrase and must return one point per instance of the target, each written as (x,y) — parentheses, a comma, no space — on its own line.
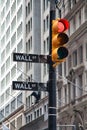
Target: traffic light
(59,39)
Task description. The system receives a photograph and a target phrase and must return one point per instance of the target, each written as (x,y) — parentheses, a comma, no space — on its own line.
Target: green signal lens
(62,52)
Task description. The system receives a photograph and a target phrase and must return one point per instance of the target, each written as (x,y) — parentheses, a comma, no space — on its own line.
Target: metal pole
(52,78)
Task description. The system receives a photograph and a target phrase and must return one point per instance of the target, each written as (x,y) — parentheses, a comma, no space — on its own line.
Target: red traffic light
(65,24)
(60,25)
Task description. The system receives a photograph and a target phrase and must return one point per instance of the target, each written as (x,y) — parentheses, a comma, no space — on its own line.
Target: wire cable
(73,84)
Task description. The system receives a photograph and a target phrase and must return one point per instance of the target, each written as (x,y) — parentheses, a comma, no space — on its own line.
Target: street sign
(23,57)
(31,86)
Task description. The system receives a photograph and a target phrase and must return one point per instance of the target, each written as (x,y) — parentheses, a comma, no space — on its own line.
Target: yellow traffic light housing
(59,39)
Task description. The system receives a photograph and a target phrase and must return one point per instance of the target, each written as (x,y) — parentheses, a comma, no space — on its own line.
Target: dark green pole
(52,77)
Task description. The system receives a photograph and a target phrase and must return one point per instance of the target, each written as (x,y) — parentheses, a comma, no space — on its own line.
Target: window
(7,19)
(77,20)
(30,4)
(13,40)
(13,105)
(73,92)
(72,26)
(7,4)
(19,46)
(13,8)
(3,55)
(73,2)
(19,100)
(7,33)
(80,54)
(86,51)
(69,62)
(28,8)
(48,44)
(80,85)
(38,113)
(45,108)
(28,46)
(69,91)
(31,42)
(44,26)
(60,70)
(3,27)
(19,122)
(44,69)
(66,95)
(8,48)
(3,70)
(7,93)
(7,63)
(28,26)
(13,24)
(2,98)
(2,88)
(3,13)
(29,118)
(28,101)
(79,17)
(26,11)
(26,29)
(44,46)
(13,72)
(47,3)
(59,97)
(47,22)
(19,30)
(3,42)
(35,115)
(18,2)
(19,67)
(31,24)
(44,5)
(12,125)
(7,110)
(75,58)
(1,114)
(19,14)
(65,68)
(69,4)
(7,78)
(85,12)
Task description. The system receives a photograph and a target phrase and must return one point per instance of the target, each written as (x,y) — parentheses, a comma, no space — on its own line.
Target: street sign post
(31,86)
(23,57)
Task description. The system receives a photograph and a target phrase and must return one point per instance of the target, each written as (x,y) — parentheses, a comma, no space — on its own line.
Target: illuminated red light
(63,25)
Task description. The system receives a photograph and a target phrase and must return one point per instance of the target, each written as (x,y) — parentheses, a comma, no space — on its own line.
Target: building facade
(72,73)
(12,28)
(21,33)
